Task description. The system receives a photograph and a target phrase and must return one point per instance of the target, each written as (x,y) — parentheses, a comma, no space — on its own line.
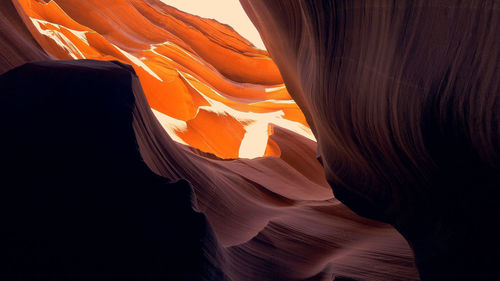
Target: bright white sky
(225,11)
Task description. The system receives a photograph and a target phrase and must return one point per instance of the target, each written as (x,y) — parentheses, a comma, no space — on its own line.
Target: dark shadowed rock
(403,97)
(77,201)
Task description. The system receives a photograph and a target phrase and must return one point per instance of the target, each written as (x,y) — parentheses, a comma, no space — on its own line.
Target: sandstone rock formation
(403,97)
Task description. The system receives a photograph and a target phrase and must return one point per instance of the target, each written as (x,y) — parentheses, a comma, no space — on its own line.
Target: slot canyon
(142,142)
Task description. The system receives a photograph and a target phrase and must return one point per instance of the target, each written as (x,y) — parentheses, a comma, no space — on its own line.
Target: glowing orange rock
(198,72)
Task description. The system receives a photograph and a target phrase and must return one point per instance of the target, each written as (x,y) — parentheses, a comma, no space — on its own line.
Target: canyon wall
(403,97)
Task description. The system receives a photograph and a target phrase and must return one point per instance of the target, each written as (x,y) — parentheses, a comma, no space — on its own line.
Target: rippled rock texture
(82,201)
(197,73)
(403,97)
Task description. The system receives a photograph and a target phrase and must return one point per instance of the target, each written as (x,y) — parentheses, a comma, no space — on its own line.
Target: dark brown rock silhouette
(77,201)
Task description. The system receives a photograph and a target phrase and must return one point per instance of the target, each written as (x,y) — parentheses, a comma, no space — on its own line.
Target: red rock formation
(403,97)
(18,46)
(186,65)
(274,218)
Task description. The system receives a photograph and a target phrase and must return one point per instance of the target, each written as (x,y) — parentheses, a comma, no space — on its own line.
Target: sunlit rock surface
(197,73)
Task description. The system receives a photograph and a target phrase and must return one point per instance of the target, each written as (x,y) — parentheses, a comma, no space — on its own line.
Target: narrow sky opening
(225,11)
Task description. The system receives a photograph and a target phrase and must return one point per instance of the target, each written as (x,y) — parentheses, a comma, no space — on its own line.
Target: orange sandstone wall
(210,87)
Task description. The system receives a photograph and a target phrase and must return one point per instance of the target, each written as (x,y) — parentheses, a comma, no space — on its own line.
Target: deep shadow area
(77,201)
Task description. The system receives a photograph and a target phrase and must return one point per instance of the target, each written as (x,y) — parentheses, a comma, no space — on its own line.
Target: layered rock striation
(403,97)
